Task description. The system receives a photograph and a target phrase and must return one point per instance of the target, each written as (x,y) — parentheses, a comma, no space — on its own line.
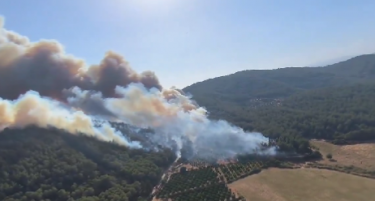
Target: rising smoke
(42,85)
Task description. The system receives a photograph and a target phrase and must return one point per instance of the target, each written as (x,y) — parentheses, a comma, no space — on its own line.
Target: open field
(358,155)
(304,184)
(222,181)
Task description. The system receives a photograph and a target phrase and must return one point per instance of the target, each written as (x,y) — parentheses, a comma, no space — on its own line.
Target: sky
(186,41)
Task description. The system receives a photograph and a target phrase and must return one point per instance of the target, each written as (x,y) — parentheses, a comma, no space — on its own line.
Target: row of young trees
(197,184)
(48,164)
(198,163)
(187,181)
(217,192)
(210,182)
(235,171)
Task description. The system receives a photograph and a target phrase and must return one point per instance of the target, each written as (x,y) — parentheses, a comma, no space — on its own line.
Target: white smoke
(32,109)
(145,108)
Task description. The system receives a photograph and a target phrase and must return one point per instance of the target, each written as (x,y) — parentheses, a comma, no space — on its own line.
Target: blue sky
(185,41)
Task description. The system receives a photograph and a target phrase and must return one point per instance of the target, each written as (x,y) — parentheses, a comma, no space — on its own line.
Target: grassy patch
(358,155)
(304,184)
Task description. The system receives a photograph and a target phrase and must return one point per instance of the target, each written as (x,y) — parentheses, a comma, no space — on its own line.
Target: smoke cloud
(23,64)
(42,85)
(31,109)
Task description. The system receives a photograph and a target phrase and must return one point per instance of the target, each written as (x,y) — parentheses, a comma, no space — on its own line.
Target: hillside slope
(244,85)
(333,102)
(49,164)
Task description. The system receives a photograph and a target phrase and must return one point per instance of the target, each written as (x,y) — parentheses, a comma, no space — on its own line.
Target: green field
(304,184)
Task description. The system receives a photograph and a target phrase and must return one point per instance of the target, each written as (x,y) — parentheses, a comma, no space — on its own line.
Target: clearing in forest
(304,184)
(357,155)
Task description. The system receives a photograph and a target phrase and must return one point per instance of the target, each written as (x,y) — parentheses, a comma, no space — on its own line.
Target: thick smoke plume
(42,85)
(31,109)
(23,64)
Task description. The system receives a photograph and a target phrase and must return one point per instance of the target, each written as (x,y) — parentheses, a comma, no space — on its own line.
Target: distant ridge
(284,82)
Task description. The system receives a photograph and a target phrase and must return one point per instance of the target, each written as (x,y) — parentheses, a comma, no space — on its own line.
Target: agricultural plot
(191,180)
(198,163)
(217,192)
(235,171)
(206,182)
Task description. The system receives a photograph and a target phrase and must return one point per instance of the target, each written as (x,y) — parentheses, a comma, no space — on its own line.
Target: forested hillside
(48,164)
(334,102)
(244,85)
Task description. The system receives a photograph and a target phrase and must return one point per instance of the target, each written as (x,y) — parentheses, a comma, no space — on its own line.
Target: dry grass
(358,155)
(304,184)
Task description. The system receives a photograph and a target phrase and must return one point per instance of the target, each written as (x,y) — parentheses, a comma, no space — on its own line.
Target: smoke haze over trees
(294,104)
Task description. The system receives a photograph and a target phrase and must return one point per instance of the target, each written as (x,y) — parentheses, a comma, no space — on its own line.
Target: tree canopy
(48,164)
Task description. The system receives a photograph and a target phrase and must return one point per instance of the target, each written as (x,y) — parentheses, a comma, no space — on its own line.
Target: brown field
(304,184)
(358,155)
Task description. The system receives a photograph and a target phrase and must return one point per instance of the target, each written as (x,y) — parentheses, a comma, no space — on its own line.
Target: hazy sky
(185,41)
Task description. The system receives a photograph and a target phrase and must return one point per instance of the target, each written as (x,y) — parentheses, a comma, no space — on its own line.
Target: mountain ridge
(287,81)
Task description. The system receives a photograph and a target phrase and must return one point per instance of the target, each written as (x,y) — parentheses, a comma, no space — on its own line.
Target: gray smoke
(45,67)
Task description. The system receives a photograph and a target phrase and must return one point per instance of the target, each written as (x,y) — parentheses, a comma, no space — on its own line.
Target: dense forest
(295,104)
(48,164)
